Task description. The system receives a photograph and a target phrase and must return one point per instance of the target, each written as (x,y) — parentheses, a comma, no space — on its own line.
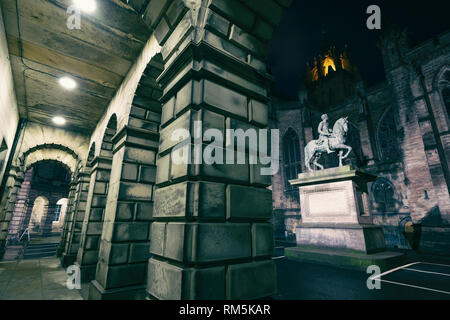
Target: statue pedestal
(337,222)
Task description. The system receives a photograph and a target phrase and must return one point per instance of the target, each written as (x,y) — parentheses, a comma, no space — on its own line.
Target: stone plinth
(336,217)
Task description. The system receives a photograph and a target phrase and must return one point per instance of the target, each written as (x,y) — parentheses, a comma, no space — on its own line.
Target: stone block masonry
(87,256)
(211,237)
(75,221)
(124,245)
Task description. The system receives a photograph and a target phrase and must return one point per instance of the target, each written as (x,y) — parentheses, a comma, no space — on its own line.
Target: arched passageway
(40,206)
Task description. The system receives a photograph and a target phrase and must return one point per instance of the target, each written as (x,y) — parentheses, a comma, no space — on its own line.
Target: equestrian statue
(329,141)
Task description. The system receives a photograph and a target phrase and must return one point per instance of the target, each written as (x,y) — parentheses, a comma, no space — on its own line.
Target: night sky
(298,37)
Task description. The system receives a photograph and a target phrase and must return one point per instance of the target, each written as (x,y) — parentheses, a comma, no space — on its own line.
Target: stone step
(35,250)
(39,255)
(40,250)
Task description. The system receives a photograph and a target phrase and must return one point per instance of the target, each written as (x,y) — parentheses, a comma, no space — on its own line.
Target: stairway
(40,249)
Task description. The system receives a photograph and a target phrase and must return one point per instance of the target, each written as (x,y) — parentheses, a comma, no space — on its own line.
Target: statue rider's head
(324,117)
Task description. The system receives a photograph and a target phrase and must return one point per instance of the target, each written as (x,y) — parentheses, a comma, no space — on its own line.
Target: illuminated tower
(331,78)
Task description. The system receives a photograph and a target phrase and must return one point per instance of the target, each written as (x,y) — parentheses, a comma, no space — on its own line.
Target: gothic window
(383,192)
(444,86)
(446,97)
(387,138)
(291,158)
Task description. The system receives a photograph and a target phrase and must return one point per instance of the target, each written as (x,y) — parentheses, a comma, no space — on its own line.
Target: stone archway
(45,182)
(23,163)
(211,68)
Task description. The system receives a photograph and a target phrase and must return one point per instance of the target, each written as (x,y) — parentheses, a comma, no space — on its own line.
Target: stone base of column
(96,292)
(59,253)
(67,260)
(87,272)
(2,248)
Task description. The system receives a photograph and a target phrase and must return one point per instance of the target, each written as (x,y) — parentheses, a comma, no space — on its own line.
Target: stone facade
(398,131)
(140,225)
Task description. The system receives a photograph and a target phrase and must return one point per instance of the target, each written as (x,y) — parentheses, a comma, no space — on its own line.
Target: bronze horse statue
(314,149)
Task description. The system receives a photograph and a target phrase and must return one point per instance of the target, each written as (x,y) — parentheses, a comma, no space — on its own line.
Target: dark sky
(298,37)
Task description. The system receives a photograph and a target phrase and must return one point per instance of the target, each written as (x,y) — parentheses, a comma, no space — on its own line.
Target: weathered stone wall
(8,105)
(34,135)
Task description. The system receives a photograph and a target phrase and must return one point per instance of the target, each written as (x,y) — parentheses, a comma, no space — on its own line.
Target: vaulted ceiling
(98,56)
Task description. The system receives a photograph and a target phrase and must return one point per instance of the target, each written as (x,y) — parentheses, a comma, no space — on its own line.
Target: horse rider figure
(325,132)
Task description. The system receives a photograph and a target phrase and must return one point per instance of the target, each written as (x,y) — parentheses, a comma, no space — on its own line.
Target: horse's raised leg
(318,165)
(349,149)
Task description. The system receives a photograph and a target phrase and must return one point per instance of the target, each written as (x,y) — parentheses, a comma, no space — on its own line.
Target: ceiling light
(88,6)
(60,121)
(67,83)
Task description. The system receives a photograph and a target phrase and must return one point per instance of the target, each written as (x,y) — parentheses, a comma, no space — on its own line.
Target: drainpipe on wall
(20,126)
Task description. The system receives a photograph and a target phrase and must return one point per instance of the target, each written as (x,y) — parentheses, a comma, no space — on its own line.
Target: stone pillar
(212,238)
(16,179)
(87,257)
(74,228)
(16,223)
(121,268)
(68,218)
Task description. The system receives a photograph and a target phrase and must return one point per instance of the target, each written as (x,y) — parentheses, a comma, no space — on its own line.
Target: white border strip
(417,287)
(430,272)
(436,264)
(393,270)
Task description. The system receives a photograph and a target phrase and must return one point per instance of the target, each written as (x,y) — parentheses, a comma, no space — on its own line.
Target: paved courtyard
(35,279)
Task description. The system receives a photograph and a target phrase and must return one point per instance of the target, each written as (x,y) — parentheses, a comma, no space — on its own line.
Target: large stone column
(87,257)
(68,218)
(211,238)
(16,179)
(74,228)
(122,261)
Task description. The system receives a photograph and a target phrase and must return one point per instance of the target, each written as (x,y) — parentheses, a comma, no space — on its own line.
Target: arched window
(40,209)
(446,98)
(387,137)
(444,88)
(60,210)
(291,158)
(383,192)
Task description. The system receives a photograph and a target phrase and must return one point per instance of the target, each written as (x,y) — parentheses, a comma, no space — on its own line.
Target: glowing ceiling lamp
(60,121)
(67,83)
(88,6)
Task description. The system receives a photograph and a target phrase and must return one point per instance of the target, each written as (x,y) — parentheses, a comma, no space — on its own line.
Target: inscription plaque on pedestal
(336,214)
